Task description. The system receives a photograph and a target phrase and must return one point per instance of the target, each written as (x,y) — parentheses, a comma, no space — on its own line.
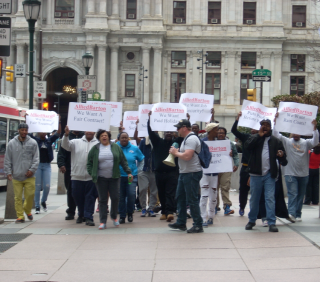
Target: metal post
(31,36)
(261,90)
(202,71)
(87,70)
(58,104)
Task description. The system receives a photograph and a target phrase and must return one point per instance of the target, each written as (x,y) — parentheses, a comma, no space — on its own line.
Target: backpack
(204,155)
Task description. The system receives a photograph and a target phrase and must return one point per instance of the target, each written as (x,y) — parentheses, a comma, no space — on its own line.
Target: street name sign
(87,81)
(261,78)
(262,75)
(5,7)
(5,36)
(40,89)
(19,70)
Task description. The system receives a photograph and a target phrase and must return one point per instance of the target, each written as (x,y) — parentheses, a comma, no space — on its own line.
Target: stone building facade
(165,37)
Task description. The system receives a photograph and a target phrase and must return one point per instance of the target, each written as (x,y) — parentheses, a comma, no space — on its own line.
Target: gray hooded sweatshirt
(21,157)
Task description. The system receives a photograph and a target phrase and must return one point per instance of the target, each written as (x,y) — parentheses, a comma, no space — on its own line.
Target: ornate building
(165,37)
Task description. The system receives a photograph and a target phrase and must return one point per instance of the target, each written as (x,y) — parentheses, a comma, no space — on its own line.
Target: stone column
(20,82)
(77,13)
(90,48)
(158,8)
(266,60)
(231,55)
(196,12)
(91,6)
(156,75)
(277,73)
(101,87)
(146,8)
(114,73)
(50,13)
(146,64)
(20,7)
(115,8)
(196,73)
(103,7)
(10,62)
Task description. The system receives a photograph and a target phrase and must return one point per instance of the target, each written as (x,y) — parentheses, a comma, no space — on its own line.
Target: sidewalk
(147,250)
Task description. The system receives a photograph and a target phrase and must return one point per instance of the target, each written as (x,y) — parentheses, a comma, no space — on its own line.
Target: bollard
(10,211)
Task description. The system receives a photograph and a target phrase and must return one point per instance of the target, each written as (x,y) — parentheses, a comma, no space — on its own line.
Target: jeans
(43,178)
(208,184)
(71,210)
(127,196)
(312,192)
(244,188)
(147,179)
(296,190)
(187,191)
(257,183)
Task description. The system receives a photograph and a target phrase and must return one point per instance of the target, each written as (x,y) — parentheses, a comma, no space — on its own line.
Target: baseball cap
(183,122)
(23,125)
(265,121)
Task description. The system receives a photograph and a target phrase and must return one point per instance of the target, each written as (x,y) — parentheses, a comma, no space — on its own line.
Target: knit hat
(211,126)
(266,121)
(23,125)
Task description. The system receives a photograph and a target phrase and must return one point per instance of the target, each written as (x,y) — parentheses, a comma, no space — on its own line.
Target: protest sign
(143,119)
(87,117)
(129,122)
(42,121)
(221,160)
(166,115)
(296,118)
(198,106)
(253,113)
(133,142)
(116,110)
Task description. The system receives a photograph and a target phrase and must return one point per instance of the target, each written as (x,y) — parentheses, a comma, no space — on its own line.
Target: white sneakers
(298,219)
(265,223)
(291,218)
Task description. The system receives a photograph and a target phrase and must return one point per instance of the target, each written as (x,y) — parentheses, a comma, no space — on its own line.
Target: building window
(130,56)
(214,13)
(245,83)
(248,60)
(249,12)
(130,85)
(179,12)
(297,85)
(64,9)
(178,86)
(213,86)
(298,62)
(299,16)
(214,60)
(178,59)
(131,9)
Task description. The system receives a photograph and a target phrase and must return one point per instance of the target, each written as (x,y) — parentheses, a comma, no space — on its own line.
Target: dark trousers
(71,210)
(127,196)
(105,186)
(312,191)
(85,195)
(167,185)
(187,191)
(244,188)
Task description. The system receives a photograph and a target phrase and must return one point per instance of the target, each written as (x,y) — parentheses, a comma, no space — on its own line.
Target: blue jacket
(132,154)
(148,156)
(48,142)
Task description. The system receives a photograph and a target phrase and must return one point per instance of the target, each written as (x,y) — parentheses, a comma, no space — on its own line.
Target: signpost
(261,75)
(40,89)
(87,81)
(5,7)
(19,70)
(5,36)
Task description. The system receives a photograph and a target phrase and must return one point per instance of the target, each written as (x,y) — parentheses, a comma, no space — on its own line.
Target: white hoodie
(79,149)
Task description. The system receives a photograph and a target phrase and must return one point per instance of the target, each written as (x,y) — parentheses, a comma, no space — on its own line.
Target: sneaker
(210,221)
(130,217)
(115,222)
(122,220)
(37,210)
(151,213)
(291,218)
(163,217)
(298,219)
(79,220)
(273,228)
(204,224)
(44,206)
(19,220)
(102,226)
(30,216)
(265,223)
(228,211)
(241,212)
(170,217)
(195,229)
(181,227)
(90,222)
(143,213)
(250,225)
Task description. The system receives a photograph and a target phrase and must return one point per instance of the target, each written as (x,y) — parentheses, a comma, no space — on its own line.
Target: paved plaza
(147,250)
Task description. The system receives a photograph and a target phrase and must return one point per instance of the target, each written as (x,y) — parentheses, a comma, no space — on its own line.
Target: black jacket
(255,145)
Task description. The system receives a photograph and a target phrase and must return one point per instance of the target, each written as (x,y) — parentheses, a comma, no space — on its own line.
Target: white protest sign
(166,115)
(296,118)
(133,142)
(129,122)
(42,121)
(221,160)
(143,119)
(87,117)
(253,113)
(116,110)
(198,106)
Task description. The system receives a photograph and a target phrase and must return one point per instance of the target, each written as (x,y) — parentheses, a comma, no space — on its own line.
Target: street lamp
(143,77)
(31,9)
(87,60)
(59,94)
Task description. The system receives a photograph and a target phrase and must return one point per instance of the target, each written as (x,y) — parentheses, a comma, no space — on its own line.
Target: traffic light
(252,95)
(1,67)
(45,106)
(9,75)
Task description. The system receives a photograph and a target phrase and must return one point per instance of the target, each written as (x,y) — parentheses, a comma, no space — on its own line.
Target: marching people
(64,165)
(83,189)
(103,165)
(190,173)
(264,149)
(297,171)
(20,165)
(128,183)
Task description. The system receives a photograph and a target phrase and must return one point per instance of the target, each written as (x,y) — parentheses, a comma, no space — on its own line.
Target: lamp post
(58,94)
(202,63)
(87,60)
(143,77)
(31,9)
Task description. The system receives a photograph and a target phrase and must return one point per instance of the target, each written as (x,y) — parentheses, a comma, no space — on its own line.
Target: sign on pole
(5,7)
(87,81)
(262,75)
(5,36)
(40,89)
(83,96)
(19,70)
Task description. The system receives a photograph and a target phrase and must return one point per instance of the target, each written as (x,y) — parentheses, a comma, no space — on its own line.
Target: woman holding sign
(103,165)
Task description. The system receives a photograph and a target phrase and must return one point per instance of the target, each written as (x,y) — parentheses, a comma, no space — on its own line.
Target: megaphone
(170,159)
